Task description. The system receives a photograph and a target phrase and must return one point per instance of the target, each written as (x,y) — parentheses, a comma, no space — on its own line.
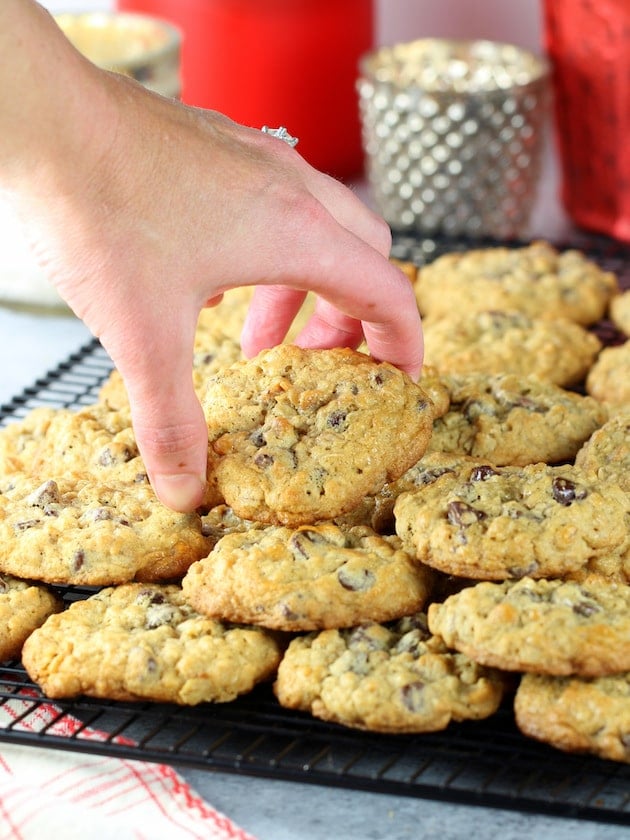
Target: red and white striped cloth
(50,793)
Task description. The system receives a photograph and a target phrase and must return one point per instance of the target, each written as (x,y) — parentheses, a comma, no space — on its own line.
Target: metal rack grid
(485,763)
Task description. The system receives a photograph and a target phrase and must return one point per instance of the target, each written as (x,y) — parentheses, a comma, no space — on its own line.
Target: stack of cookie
(394,556)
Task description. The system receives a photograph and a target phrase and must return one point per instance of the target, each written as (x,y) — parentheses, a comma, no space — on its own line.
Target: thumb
(168,421)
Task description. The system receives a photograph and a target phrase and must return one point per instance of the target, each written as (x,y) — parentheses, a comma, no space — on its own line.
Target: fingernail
(182,492)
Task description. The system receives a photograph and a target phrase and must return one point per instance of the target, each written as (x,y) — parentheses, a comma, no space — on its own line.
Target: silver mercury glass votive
(453,134)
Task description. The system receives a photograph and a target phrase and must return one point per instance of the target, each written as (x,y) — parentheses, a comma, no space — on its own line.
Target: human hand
(145,210)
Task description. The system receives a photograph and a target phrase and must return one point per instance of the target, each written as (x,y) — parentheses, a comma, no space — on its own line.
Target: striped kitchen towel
(58,794)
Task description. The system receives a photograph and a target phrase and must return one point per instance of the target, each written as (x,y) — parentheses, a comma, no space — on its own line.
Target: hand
(144,210)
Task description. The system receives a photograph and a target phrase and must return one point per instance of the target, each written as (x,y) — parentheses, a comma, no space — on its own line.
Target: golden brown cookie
(24,606)
(301,435)
(619,311)
(577,715)
(494,342)
(308,578)
(73,530)
(385,678)
(514,420)
(606,454)
(609,378)
(536,279)
(545,626)
(496,523)
(141,642)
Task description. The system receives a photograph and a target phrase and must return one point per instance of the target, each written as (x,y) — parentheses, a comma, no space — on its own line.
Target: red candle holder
(290,63)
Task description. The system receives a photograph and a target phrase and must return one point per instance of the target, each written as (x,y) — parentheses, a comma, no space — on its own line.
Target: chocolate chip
(263,460)
(565,491)
(530,405)
(412,696)
(337,419)
(482,473)
(106,458)
(288,613)
(361,636)
(46,494)
(357,580)
(25,524)
(416,622)
(257,438)
(463,514)
(78,560)
(151,596)
(586,608)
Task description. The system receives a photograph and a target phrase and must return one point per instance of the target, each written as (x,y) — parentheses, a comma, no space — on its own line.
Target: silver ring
(281,133)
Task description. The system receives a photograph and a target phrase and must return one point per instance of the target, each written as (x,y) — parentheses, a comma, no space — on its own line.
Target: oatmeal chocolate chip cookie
(609,378)
(536,279)
(378,510)
(139,642)
(313,577)
(619,312)
(496,523)
(577,715)
(606,454)
(300,435)
(385,678)
(493,342)
(24,606)
(514,420)
(551,627)
(72,530)
(93,439)
(20,439)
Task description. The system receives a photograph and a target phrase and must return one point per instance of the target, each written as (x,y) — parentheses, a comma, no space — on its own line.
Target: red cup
(588,44)
(291,63)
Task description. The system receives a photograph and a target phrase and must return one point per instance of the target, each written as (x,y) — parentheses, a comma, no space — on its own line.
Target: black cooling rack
(485,763)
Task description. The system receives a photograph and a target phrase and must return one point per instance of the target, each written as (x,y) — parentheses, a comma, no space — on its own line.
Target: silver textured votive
(453,134)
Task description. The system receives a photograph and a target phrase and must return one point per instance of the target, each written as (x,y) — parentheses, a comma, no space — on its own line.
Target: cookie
(71,530)
(514,420)
(609,378)
(139,642)
(619,311)
(20,439)
(551,627)
(496,523)
(378,511)
(93,439)
(300,435)
(494,342)
(577,715)
(536,279)
(309,578)
(606,454)
(385,678)
(24,606)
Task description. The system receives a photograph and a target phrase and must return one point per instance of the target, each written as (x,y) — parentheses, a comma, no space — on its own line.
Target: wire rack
(485,763)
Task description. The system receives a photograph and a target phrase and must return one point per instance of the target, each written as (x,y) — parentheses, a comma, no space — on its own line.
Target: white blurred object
(22,281)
